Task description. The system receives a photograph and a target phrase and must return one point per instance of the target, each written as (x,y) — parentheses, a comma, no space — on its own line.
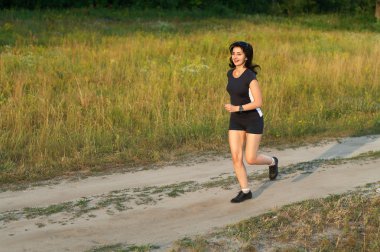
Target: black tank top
(238,88)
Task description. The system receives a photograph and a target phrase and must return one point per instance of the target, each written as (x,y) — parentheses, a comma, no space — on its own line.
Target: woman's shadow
(262,188)
(341,149)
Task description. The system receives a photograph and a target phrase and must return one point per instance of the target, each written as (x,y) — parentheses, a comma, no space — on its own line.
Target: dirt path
(160,206)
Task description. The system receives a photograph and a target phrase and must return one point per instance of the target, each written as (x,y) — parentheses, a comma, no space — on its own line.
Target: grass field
(86,90)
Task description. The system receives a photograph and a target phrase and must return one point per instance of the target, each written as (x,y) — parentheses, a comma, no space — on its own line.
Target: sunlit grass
(83,90)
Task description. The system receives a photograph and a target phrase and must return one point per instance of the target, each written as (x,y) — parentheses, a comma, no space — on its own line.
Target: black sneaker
(241,197)
(273,169)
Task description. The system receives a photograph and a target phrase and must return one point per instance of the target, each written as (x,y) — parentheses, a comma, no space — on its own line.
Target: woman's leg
(236,140)
(251,149)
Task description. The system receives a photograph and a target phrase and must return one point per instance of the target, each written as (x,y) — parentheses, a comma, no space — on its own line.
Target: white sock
(273,162)
(246,190)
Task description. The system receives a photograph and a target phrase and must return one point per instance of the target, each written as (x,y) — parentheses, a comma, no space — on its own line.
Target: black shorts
(249,121)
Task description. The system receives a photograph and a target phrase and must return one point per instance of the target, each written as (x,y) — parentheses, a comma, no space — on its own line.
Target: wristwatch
(241,109)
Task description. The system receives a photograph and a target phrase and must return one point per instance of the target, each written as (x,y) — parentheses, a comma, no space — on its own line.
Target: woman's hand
(231,108)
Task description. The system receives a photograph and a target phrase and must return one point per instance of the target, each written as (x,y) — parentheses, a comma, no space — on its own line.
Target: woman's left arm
(256,93)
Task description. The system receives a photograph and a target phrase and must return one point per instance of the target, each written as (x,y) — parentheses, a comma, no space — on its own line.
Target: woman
(246,120)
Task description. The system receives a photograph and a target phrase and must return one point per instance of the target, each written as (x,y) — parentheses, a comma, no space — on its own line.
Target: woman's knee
(251,160)
(237,158)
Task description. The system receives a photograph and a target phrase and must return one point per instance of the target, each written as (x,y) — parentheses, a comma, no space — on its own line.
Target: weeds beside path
(346,222)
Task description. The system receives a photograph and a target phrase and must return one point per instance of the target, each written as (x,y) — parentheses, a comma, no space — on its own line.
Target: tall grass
(79,90)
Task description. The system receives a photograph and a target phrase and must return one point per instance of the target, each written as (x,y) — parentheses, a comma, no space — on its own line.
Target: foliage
(288,7)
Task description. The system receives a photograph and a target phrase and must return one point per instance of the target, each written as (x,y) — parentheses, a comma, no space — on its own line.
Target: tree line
(286,7)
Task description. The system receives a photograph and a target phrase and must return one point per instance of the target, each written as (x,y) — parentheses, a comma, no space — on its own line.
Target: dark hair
(248,51)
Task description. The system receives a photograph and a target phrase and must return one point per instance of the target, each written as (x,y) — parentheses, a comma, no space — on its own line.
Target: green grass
(347,222)
(125,248)
(32,213)
(85,90)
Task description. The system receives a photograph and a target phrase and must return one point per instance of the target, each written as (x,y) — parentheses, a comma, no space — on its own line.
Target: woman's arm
(256,93)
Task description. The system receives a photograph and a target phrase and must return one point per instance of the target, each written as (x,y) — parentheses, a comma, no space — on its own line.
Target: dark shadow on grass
(43,24)
(333,22)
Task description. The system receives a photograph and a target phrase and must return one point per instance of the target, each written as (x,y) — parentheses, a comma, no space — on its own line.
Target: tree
(377,14)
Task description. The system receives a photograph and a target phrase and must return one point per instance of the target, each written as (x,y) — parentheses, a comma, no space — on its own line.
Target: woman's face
(238,56)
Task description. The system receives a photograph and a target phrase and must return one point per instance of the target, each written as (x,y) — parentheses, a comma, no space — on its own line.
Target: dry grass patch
(347,222)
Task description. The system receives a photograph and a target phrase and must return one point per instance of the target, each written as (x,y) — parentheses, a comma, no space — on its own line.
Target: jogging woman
(246,117)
